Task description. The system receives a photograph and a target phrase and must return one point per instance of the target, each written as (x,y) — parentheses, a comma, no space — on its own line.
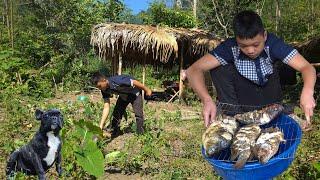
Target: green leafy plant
(88,155)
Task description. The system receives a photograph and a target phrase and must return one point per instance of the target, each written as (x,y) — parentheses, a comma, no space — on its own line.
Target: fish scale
(244,140)
(267,144)
(219,134)
(260,117)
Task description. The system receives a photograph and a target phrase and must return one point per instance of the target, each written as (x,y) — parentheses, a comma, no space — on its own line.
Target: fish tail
(241,160)
(234,155)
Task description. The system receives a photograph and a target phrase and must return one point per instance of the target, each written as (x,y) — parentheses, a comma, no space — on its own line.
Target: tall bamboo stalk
(6,7)
(11,23)
(194,8)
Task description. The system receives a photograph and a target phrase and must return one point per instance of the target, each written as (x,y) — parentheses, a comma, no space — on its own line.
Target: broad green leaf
(90,158)
(89,126)
(93,128)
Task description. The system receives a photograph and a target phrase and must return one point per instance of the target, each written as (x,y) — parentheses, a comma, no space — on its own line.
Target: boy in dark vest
(129,91)
(243,72)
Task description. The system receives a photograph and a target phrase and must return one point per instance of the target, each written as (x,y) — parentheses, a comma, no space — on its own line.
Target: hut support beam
(113,65)
(120,64)
(315,64)
(181,74)
(143,75)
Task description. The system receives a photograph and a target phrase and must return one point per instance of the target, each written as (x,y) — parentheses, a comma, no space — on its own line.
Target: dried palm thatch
(136,42)
(310,50)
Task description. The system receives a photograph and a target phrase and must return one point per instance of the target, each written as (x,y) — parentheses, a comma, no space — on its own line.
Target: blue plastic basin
(255,170)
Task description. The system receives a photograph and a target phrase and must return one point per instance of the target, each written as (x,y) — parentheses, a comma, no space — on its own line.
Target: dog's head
(51,120)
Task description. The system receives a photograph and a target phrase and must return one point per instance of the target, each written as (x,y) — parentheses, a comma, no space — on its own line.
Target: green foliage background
(45,50)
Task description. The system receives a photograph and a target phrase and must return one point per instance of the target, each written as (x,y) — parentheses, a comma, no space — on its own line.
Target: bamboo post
(112,65)
(11,23)
(120,64)
(315,64)
(143,75)
(194,9)
(181,72)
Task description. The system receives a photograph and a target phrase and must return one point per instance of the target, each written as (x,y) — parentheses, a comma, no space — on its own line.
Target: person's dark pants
(119,110)
(236,94)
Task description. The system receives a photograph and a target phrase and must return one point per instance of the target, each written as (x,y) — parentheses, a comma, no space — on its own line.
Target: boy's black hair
(247,24)
(96,77)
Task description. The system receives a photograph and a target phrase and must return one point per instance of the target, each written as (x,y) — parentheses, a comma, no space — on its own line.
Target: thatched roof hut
(143,44)
(310,50)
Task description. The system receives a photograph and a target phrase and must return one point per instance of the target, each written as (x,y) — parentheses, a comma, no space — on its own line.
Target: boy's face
(102,85)
(252,47)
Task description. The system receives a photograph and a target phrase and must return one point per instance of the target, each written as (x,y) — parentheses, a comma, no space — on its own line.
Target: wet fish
(267,144)
(260,117)
(219,134)
(243,143)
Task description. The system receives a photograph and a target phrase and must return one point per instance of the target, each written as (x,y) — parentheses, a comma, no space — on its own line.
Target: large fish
(219,134)
(267,144)
(260,117)
(243,144)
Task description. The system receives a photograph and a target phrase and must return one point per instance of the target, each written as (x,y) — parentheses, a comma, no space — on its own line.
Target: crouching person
(129,91)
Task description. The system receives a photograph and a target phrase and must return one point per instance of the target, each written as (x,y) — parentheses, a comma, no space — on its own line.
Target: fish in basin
(267,145)
(218,136)
(260,117)
(243,143)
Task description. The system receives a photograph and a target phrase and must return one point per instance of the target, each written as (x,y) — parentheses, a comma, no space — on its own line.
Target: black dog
(38,156)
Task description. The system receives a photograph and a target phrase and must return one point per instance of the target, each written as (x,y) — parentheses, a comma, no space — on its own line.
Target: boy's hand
(209,112)
(307,104)
(148,92)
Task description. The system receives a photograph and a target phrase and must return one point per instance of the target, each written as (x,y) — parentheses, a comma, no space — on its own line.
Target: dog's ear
(38,114)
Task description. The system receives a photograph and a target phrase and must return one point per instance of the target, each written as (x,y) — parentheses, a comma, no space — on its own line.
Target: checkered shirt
(259,69)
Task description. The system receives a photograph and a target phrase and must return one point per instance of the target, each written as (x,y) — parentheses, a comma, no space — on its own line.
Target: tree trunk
(11,23)
(312,15)
(194,8)
(278,15)
(3,13)
(6,11)
(220,18)
(259,7)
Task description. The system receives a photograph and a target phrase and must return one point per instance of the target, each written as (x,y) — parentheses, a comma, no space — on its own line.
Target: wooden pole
(11,22)
(120,64)
(181,72)
(6,5)
(315,64)
(194,8)
(114,65)
(144,74)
